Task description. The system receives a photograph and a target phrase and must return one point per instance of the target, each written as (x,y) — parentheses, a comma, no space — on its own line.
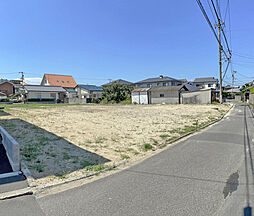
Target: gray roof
(158,79)
(167,88)
(191,87)
(39,88)
(206,79)
(91,87)
(119,81)
(4,81)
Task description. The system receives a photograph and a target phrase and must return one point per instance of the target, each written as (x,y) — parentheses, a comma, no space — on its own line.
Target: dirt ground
(65,141)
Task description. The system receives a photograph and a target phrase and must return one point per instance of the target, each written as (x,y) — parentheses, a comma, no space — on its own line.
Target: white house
(42,93)
(206,83)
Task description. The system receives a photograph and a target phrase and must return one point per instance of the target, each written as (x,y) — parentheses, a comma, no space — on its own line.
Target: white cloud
(33,81)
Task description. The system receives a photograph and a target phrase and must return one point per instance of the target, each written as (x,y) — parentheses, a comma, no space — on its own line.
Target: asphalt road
(203,175)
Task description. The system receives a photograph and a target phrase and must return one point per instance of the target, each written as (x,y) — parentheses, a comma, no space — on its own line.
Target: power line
(243,56)
(211,11)
(210,24)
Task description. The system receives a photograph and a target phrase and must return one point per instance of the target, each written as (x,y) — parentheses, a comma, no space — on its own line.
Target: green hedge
(5,100)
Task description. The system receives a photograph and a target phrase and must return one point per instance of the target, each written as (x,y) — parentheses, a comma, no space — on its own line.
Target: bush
(115,93)
(5,100)
(127,101)
(39,99)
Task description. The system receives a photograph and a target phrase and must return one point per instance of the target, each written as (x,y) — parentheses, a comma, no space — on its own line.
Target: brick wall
(7,88)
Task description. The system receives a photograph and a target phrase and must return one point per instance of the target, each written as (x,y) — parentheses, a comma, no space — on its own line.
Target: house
(7,88)
(119,81)
(90,92)
(158,81)
(64,81)
(160,94)
(140,96)
(166,94)
(206,83)
(39,93)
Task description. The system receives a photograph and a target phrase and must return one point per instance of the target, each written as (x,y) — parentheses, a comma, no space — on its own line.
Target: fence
(251,98)
(12,149)
(197,97)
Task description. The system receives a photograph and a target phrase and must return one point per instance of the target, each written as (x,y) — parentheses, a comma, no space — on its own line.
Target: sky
(98,40)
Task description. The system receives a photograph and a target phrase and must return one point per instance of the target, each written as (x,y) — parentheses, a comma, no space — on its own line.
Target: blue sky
(97,40)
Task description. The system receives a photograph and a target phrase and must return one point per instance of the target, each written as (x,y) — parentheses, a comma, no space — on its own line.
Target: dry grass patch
(62,140)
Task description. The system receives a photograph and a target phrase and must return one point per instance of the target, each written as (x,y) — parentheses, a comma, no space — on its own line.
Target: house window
(68,81)
(53,95)
(58,81)
(164,84)
(148,85)
(62,81)
(158,84)
(161,95)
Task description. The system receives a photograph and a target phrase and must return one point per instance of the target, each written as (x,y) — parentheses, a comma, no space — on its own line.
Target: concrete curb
(38,189)
(16,193)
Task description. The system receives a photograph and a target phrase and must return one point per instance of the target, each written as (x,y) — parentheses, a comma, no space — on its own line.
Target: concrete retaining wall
(75,100)
(197,97)
(12,149)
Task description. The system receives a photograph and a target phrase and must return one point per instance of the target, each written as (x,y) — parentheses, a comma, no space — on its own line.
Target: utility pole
(220,56)
(233,80)
(22,84)
(22,77)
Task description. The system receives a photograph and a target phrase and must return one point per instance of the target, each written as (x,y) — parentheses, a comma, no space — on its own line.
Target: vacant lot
(60,141)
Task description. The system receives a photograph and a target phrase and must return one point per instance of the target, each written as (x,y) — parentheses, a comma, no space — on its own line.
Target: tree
(116,92)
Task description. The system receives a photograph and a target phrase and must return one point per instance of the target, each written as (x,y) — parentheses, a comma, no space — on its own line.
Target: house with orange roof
(65,81)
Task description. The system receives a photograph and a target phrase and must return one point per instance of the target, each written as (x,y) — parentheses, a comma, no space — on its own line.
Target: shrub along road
(202,175)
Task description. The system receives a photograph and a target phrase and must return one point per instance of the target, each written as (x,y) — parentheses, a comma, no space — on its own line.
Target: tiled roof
(60,80)
(205,79)
(91,87)
(157,79)
(119,81)
(41,88)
